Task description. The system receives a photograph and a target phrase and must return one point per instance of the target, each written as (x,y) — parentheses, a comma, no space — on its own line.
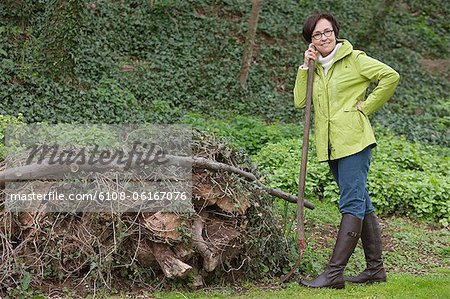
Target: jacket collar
(344,50)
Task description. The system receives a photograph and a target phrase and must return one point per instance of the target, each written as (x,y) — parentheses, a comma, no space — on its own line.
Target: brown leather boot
(332,277)
(371,241)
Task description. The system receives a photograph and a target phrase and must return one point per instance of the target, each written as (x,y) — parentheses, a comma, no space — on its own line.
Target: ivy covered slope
(131,60)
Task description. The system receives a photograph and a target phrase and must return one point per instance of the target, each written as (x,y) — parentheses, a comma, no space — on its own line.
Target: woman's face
(325,44)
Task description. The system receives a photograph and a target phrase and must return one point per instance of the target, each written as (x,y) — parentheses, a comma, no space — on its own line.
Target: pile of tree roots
(231,233)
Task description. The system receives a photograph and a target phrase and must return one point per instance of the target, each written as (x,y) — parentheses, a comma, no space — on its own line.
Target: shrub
(5,121)
(243,132)
(405,178)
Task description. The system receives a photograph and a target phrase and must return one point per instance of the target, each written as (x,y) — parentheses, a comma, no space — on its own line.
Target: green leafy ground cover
(130,61)
(406,178)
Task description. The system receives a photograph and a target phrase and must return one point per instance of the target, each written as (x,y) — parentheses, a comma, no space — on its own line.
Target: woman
(344,138)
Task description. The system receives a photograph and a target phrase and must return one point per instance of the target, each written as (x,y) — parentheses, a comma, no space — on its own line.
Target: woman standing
(344,138)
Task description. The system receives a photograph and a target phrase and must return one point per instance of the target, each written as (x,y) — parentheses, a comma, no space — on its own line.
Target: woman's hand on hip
(358,106)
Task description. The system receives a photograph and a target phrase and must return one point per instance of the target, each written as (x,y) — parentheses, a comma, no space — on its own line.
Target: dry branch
(210,254)
(170,265)
(45,169)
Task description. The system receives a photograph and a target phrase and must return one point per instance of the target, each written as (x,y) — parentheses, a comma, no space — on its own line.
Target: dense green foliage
(405,178)
(6,121)
(129,61)
(169,61)
(243,132)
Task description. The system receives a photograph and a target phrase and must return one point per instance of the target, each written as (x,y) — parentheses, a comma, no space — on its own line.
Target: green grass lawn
(416,257)
(433,285)
(409,246)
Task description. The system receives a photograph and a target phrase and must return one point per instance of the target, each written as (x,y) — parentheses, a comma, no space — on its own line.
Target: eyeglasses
(318,35)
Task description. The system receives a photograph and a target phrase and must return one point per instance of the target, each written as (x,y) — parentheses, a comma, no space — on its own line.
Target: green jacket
(340,128)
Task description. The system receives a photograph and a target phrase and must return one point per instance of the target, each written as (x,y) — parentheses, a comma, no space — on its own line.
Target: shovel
(302,177)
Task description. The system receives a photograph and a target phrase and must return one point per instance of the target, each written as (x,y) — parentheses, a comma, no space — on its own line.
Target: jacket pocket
(351,109)
(354,109)
(354,118)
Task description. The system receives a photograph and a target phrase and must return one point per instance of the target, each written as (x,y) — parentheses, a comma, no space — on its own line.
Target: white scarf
(327,61)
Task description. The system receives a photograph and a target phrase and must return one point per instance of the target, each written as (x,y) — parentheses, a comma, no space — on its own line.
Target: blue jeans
(350,174)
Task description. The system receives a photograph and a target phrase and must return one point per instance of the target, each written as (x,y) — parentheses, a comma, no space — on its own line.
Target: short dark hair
(311,21)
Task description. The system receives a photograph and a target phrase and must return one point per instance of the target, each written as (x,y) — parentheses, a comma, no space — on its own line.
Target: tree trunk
(248,52)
